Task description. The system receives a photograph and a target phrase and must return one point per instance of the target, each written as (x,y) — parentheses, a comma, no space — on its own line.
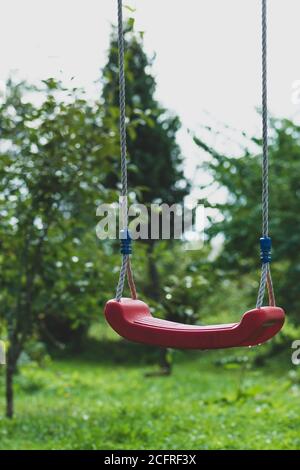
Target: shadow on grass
(107,351)
(123,352)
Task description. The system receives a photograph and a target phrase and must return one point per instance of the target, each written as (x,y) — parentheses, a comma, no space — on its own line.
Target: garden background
(193,134)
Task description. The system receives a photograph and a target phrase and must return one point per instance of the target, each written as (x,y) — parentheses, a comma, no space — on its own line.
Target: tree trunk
(10,371)
(165,363)
(13,354)
(154,284)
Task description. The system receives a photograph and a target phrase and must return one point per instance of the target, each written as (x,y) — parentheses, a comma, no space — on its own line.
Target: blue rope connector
(265,250)
(126,240)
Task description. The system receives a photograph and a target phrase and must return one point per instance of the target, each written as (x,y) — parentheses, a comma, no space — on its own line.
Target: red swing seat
(132,320)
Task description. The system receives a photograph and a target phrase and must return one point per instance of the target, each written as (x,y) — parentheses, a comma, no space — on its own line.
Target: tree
(52,167)
(241,222)
(155,170)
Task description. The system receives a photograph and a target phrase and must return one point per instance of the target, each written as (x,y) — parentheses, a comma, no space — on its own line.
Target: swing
(131,318)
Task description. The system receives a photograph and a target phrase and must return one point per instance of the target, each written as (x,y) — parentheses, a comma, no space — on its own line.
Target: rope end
(265,250)
(126,248)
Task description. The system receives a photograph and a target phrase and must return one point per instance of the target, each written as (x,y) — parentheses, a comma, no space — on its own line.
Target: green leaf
(130,8)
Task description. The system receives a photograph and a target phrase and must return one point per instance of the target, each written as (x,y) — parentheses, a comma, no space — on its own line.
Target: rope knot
(265,250)
(125,237)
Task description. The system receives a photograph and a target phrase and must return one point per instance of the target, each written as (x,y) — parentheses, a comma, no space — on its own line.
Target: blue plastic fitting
(126,240)
(265,250)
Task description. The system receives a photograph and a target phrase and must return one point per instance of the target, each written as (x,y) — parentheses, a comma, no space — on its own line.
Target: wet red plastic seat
(132,320)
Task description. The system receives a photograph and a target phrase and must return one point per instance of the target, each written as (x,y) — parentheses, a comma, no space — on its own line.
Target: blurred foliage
(187,281)
(54,157)
(241,212)
(59,159)
(155,158)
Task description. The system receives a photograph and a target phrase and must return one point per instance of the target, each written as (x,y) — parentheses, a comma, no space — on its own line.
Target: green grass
(107,403)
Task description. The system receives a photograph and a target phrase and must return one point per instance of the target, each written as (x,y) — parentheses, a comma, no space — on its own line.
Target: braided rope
(126,265)
(266,271)
(130,279)
(122,277)
(272,301)
(265,160)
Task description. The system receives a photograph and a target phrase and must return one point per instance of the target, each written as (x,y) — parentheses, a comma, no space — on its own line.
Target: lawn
(210,402)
